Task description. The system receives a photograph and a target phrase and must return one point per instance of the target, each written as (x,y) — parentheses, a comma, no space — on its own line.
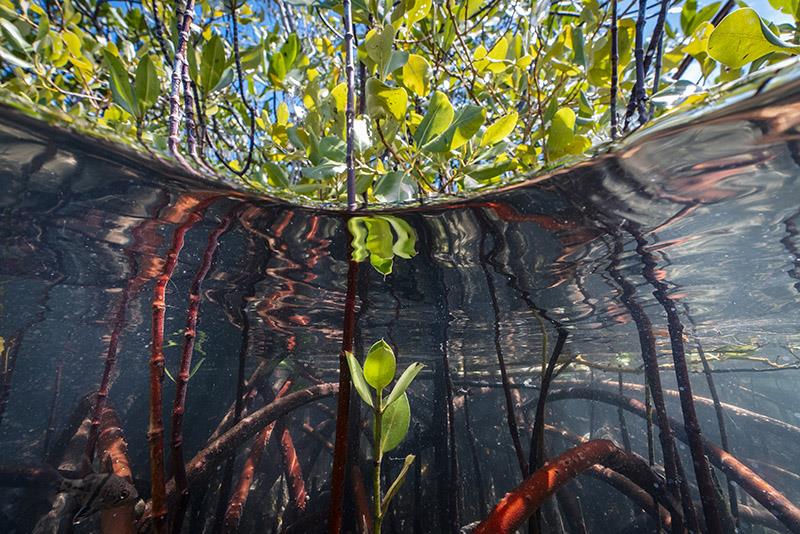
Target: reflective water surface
(698,219)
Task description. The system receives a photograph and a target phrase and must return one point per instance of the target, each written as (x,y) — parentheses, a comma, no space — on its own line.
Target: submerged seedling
(391,415)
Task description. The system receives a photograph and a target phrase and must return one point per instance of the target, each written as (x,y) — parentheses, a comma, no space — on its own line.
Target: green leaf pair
(377,373)
(140,96)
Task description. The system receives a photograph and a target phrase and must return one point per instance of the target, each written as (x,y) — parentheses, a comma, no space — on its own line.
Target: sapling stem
(378,453)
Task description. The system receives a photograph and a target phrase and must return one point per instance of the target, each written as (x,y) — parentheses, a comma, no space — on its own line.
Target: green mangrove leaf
(403,382)
(147,85)
(436,120)
(357,376)
(363,182)
(499,129)
(277,69)
(379,366)
(333,148)
(398,60)
(396,186)
(395,423)
(495,59)
(121,90)
(490,170)
(742,37)
(561,138)
(14,36)
(289,50)
(466,123)
(213,63)
(383,100)
(417,75)
(325,170)
(224,81)
(416,10)
(278,176)
(398,483)
(8,57)
(379,44)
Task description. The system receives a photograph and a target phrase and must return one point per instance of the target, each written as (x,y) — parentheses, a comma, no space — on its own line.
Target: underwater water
(682,243)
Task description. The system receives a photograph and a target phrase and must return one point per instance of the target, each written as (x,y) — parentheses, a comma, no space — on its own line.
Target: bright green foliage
(450,96)
(379,367)
(742,37)
(391,415)
(562,140)
(396,420)
(500,129)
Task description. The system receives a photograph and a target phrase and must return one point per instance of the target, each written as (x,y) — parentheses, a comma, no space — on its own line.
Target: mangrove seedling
(391,415)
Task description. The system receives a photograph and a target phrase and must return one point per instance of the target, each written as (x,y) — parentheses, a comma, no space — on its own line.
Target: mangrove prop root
(113,452)
(182,379)
(110,363)
(205,460)
(647,343)
(518,505)
(769,497)
(511,417)
(629,488)
(702,470)
(761,422)
(291,466)
(537,438)
(155,433)
(236,505)
(343,404)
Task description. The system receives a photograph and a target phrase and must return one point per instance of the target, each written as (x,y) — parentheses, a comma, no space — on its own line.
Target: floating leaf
(357,376)
(499,129)
(466,123)
(437,119)
(395,423)
(742,37)
(379,366)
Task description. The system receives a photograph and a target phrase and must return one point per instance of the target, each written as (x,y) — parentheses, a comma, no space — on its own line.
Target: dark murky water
(706,213)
